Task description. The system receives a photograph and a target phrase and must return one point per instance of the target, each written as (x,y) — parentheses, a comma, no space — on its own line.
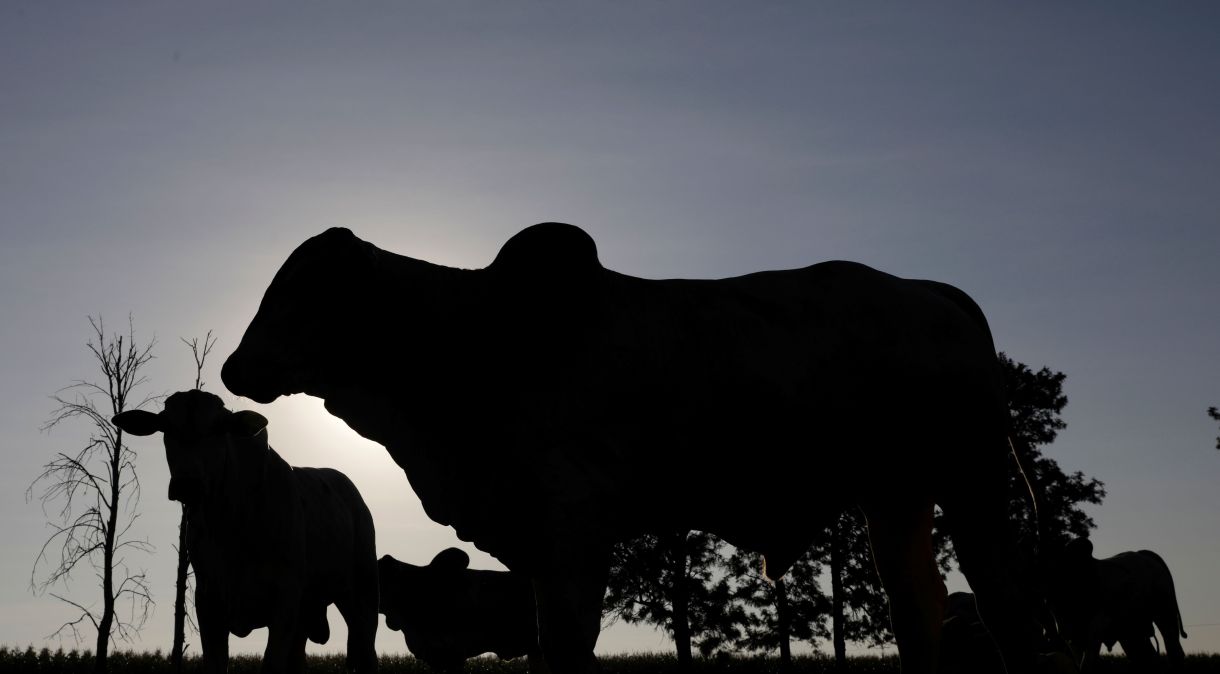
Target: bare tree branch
(96,495)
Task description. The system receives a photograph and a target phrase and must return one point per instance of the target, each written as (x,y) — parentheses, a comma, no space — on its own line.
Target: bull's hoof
(1056,663)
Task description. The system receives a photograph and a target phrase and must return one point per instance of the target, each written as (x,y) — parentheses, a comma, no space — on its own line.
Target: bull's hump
(549,246)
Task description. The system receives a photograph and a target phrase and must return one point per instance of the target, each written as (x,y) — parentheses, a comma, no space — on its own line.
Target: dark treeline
(45,661)
(712,598)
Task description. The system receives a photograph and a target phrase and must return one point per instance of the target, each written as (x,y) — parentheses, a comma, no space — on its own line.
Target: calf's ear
(137,422)
(245,423)
(450,559)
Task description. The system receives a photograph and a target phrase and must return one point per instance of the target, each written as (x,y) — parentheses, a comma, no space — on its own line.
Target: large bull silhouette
(272,545)
(546,407)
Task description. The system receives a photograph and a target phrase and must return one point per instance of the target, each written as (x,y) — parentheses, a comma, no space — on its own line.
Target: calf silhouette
(449,613)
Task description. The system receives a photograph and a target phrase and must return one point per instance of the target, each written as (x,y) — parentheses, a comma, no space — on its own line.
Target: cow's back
(338,526)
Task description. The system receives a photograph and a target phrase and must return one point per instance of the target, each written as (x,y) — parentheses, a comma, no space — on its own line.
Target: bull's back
(802,368)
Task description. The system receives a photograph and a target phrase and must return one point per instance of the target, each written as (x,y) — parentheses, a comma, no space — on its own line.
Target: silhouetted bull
(546,407)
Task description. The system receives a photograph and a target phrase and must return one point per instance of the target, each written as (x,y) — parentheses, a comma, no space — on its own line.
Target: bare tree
(200,353)
(1215,415)
(93,494)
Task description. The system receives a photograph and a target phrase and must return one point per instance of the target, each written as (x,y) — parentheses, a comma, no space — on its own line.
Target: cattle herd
(546,407)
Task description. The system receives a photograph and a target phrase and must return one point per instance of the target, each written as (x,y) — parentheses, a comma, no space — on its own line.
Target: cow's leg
(1167,623)
(286,637)
(1139,650)
(901,539)
(213,631)
(569,589)
(359,611)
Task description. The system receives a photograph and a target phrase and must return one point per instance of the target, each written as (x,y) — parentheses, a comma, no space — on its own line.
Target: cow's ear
(1081,548)
(450,559)
(245,423)
(137,422)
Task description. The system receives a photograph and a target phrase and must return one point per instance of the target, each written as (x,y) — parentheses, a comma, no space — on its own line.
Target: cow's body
(1116,600)
(271,545)
(448,613)
(604,406)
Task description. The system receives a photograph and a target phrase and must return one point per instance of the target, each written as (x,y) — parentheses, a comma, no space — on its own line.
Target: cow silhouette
(448,612)
(272,545)
(1116,600)
(546,407)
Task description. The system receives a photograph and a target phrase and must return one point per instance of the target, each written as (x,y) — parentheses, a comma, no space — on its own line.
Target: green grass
(45,661)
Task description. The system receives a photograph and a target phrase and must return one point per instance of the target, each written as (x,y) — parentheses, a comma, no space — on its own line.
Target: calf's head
(198,433)
(411,593)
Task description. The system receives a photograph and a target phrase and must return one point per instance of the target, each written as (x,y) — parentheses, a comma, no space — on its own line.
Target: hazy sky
(1060,163)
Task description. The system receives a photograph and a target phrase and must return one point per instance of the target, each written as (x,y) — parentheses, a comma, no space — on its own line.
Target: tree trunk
(784,620)
(836,595)
(112,520)
(680,602)
(180,597)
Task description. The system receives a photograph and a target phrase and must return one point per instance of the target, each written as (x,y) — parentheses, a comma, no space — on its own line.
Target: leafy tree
(1215,415)
(1035,402)
(96,492)
(670,580)
(790,609)
(859,610)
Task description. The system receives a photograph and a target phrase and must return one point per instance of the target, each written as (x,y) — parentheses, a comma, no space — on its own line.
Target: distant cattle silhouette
(272,545)
(1116,600)
(449,613)
(967,647)
(546,407)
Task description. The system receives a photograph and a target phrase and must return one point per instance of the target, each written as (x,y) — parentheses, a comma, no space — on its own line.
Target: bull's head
(197,432)
(306,329)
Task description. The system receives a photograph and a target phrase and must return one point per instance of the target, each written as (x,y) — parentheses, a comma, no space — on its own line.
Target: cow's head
(1071,587)
(308,327)
(198,432)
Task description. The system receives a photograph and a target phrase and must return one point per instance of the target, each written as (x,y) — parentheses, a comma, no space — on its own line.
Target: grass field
(45,661)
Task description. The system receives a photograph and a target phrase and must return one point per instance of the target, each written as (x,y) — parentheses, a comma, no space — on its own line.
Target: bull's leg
(1000,605)
(902,547)
(569,589)
(976,512)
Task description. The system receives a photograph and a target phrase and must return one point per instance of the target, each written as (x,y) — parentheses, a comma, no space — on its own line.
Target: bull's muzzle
(242,375)
(185,490)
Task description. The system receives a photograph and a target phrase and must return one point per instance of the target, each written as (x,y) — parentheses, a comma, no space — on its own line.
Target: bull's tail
(1031,494)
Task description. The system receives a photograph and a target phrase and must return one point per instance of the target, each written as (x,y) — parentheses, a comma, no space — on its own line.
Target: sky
(1059,163)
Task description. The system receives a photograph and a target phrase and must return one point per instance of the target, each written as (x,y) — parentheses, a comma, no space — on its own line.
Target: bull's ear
(245,423)
(137,422)
(451,559)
